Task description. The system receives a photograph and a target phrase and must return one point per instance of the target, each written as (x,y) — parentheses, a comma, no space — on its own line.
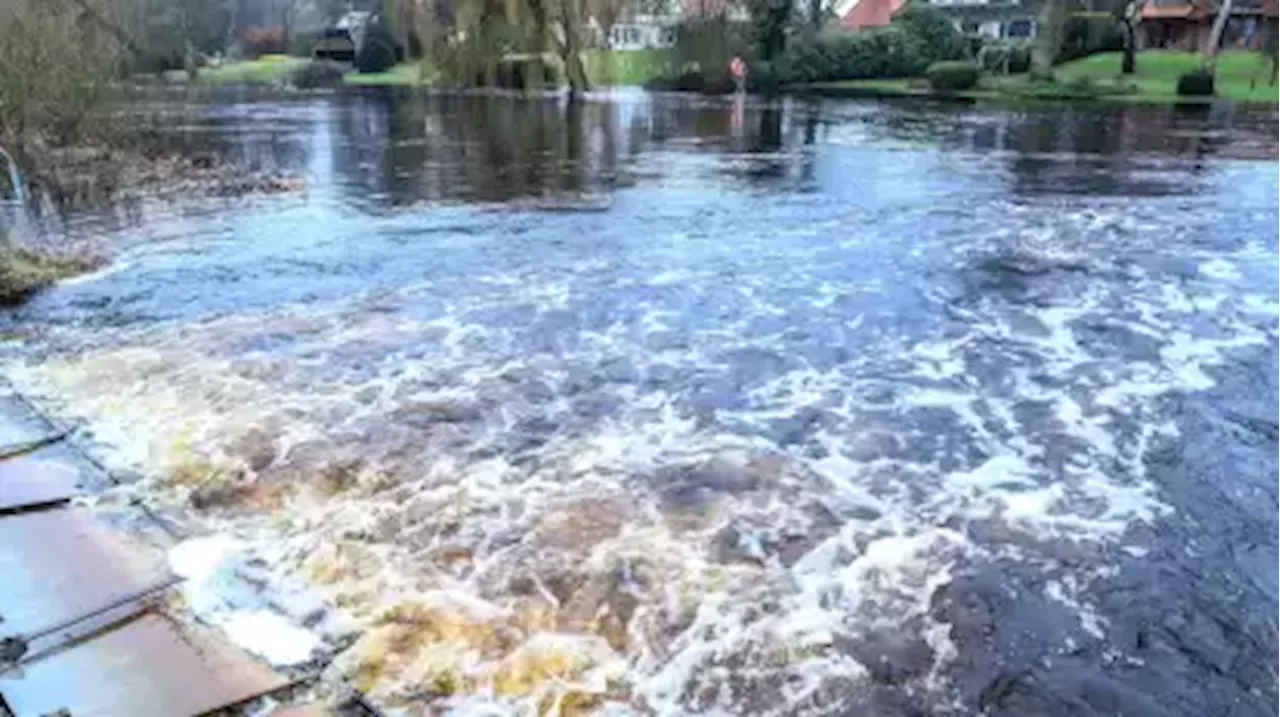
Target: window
(1019,28)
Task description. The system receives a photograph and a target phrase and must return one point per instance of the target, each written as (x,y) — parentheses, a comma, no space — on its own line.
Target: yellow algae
(194,471)
(425,643)
(341,561)
(568,674)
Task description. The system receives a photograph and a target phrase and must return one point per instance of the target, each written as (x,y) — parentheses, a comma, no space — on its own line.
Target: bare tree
(56,58)
(1219,24)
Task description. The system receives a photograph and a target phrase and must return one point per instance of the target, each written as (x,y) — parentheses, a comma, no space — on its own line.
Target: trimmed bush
(378,52)
(1196,84)
(952,75)
(318,73)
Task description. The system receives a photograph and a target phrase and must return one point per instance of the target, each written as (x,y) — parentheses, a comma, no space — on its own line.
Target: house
(643,31)
(341,42)
(702,9)
(989,18)
(1188,24)
(992,18)
(334,44)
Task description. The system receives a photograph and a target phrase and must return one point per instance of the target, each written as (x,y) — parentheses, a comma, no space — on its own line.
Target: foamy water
(711,469)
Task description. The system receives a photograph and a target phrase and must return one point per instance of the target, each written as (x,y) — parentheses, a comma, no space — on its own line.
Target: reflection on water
(670,405)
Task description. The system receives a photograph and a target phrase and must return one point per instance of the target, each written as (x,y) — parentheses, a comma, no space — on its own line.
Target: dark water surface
(670,405)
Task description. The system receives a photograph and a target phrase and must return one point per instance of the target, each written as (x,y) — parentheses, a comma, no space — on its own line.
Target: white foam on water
(217,591)
(1219,268)
(633,559)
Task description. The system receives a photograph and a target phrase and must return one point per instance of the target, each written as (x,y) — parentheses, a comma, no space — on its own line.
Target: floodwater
(662,405)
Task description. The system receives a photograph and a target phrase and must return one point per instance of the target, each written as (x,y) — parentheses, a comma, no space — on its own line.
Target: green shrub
(930,34)
(378,52)
(318,73)
(1198,83)
(763,77)
(952,75)
(918,37)
(875,52)
(694,80)
(1086,34)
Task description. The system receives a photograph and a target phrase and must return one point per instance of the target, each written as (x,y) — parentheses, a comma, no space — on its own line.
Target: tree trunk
(571,47)
(1219,23)
(1128,63)
(1048,39)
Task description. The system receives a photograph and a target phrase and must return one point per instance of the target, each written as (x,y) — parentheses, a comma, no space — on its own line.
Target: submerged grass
(267,69)
(405,73)
(604,68)
(25,270)
(624,67)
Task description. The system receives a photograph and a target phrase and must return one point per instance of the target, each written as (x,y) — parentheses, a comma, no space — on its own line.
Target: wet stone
(733,544)
(1111,340)
(800,426)
(698,484)
(891,658)
(422,414)
(715,394)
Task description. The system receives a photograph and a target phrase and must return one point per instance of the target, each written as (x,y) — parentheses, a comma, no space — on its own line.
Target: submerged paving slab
(56,564)
(19,425)
(45,475)
(151,665)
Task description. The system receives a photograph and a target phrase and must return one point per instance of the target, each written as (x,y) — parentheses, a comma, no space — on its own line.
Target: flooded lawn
(658,405)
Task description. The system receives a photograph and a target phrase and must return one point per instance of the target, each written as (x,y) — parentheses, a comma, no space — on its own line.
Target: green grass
(405,73)
(276,68)
(1158,72)
(262,71)
(1156,80)
(25,271)
(624,67)
(604,68)
(869,88)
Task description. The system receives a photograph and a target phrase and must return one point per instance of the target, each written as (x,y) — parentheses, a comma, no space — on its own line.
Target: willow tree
(468,40)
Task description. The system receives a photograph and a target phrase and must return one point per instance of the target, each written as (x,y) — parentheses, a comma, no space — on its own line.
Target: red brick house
(1188,24)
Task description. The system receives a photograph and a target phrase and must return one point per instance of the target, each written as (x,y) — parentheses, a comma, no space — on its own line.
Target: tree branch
(116,31)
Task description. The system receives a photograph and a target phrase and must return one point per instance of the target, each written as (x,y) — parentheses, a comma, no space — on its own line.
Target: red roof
(871,13)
